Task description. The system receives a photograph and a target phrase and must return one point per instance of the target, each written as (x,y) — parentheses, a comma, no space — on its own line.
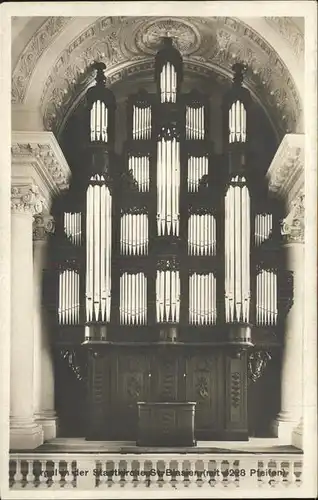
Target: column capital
(26,199)
(43,225)
(286,173)
(293,226)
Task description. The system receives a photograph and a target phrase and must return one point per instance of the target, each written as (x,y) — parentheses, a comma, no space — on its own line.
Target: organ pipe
(98,251)
(266,298)
(237,252)
(141,122)
(139,165)
(237,122)
(201,234)
(168,187)
(133,299)
(202,299)
(134,234)
(69,299)
(263,227)
(73,227)
(197,168)
(168,296)
(99,122)
(168,83)
(195,125)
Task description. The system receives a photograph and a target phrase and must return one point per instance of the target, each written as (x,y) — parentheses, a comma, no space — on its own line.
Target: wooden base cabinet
(120,377)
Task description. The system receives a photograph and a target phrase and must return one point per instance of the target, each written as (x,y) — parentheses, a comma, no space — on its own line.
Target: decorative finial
(100,68)
(239,71)
(167,40)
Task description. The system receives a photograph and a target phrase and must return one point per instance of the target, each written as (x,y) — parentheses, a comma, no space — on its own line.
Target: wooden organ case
(164,287)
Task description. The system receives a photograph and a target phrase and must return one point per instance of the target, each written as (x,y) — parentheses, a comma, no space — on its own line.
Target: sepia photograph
(158,249)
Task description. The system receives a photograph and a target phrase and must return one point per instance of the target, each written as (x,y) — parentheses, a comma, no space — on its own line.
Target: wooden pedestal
(166,424)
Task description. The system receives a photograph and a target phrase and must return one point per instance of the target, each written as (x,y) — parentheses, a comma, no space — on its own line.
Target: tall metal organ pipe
(134,234)
(98,250)
(99,122)
(195,125)
(263,227)
(237,252)
(237,122)
(198,166)
(133,299)
(266,298)
(201,234)
(69,297)
(141,122)
(73,227)
(139,165)
(168,187)
(168,83)
(168,296)
(202,299)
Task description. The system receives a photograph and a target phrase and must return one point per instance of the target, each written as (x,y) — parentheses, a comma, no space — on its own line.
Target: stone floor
(254,445)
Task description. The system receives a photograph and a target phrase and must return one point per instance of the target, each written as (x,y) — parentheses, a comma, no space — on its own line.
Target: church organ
(170,270)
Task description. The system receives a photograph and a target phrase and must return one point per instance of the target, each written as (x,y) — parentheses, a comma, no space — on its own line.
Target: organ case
(164,277)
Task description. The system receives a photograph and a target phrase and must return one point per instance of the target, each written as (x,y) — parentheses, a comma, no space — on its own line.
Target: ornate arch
(127,45)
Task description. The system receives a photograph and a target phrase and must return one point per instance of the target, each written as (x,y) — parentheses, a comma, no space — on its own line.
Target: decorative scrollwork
(128,181)
(133,387)
(257,362)
(77,367)
(170,263)
(202,388)
(135,210)
(26,199)
(43,225)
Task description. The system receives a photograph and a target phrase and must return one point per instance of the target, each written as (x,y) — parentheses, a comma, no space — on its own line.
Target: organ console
(152,249)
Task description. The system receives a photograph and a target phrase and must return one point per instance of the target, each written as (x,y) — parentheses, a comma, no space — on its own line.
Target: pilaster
(25,433)
(39,173)
(43,226)
(286,180)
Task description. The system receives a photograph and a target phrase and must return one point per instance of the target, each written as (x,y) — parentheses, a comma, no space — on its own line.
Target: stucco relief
(31,54)
(185,36)
(290,32)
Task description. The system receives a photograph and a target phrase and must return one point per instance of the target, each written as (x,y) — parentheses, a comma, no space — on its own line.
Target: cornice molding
(286,173)
(37,156)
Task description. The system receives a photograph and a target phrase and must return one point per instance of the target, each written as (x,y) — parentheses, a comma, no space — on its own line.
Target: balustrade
(156,471)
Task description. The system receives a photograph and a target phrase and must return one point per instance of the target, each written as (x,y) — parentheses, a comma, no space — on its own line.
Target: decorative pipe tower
(237,217)
(98,235)
(168,71)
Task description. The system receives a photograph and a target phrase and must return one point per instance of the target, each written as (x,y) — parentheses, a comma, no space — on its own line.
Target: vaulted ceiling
(51,58)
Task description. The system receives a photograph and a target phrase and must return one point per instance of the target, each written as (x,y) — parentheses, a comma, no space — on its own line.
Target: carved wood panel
(204,379)
(167,377)
(99,394)
(131,383)
(236,393)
